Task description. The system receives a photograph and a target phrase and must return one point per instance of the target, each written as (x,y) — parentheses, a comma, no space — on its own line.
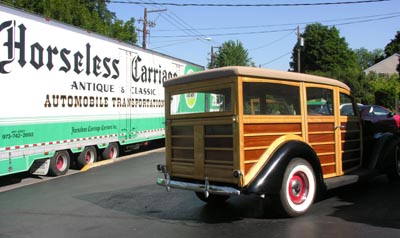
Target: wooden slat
(272,128)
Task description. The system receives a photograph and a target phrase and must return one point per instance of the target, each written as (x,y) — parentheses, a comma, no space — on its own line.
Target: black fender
(269,179)
(374,149)
(383,150)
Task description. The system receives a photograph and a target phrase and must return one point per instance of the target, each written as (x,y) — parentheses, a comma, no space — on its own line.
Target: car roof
(253,72)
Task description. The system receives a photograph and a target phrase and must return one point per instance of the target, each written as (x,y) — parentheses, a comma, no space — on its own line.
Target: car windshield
(373,110)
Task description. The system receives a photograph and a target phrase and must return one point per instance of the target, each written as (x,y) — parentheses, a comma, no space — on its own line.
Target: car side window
(271,99)
(346,105)
(319,101)
(378,111)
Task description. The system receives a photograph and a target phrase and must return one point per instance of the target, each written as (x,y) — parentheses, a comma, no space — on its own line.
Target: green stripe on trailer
(21,145)
(49,133)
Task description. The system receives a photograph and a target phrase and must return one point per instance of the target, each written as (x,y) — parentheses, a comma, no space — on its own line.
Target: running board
(354,177)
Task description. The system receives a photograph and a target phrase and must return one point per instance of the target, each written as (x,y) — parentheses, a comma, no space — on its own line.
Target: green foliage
(231,54)
(386,89)
(368,58)
(327,54)
(28,5)
(394,46)
(91,15)
(324,51)
(359,84)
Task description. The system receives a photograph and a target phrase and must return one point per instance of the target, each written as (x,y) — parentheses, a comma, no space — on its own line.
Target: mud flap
(40,167)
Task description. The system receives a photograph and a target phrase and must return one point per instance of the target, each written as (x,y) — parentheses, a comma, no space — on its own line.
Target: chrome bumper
(205,188)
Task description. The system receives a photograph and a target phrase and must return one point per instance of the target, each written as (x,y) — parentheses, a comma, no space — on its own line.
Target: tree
(230,54)
(324,51)
(386,89)
(368,58)
(28,5)
(91,15)
(327,54)
(394,46)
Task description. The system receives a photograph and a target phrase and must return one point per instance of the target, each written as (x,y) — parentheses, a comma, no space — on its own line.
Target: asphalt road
(121,200)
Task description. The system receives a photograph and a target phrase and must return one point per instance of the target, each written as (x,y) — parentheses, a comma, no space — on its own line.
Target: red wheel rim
(112,152)
(60,162)
(88,157)
(298,188)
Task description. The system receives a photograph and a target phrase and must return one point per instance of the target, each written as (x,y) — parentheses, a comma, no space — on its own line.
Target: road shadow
(13,179)
(375,202)
(178,205)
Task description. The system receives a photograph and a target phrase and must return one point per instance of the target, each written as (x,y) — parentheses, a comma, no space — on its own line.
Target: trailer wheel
(59,163)
(111,152)
(394,169)
(298,189)
(87,156)
(212,198)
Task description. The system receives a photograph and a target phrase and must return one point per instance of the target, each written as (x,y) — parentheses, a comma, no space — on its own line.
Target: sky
(268,33)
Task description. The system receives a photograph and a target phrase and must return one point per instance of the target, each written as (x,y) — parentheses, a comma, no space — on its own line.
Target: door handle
(340,127)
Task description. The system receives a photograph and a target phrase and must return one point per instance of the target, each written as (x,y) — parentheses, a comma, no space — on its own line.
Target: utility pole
(298,49)
(300,44)
(213,56)
(146,24)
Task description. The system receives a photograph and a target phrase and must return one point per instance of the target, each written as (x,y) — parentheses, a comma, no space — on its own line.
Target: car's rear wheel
(298,189)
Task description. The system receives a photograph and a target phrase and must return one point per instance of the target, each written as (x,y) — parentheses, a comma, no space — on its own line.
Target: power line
(195,34)
(278,30)
(179,23)
(362,21)
(273,42)
(175,43)
(277,58)
(227,34)
(194,31)
(247,5)
(288,24)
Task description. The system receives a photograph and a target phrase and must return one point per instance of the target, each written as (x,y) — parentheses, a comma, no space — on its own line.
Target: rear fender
(384,147)
(269,179)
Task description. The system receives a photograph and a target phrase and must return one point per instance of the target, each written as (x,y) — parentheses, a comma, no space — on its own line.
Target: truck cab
(241,130)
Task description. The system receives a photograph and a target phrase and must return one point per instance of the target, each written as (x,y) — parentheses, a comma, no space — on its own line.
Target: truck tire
(59,163)
(87,156)
(111,152)
(212,198)
(298,189)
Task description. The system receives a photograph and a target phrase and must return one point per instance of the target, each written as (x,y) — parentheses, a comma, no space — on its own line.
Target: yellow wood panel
(222,174)
(199,150)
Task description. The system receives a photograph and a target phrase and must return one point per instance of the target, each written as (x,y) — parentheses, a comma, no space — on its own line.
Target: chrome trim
(205,188)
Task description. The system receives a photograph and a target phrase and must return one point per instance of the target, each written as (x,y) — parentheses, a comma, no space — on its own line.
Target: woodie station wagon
(242,130)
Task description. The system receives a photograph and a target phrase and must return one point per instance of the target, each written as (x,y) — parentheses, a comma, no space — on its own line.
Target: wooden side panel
(259,136)
(351,146)
(181,151)
(280,128)
(202,148)
(321,136)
